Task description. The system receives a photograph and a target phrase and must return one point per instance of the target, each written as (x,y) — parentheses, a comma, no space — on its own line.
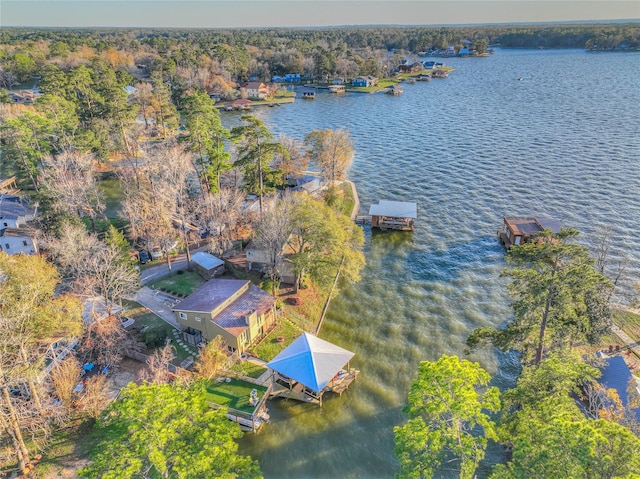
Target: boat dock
(393,215)
(286,388)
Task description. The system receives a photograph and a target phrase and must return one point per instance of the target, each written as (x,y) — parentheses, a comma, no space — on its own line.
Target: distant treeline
(413,39)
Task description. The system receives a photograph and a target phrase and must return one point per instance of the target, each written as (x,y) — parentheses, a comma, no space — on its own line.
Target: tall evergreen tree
(558,297)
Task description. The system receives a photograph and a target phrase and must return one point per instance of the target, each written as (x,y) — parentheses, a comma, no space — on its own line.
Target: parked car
(143,257)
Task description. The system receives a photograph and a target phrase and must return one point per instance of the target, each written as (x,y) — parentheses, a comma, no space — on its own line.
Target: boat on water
(411,81)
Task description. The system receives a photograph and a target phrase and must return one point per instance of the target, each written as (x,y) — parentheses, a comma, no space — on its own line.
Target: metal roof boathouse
(393,215)
(309,367)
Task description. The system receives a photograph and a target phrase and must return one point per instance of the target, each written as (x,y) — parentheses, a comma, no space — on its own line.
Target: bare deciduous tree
(295,162)
(69,180)
(273,231)
(64,379)
(332,151)
(158,366)
(95,397)
(212,359)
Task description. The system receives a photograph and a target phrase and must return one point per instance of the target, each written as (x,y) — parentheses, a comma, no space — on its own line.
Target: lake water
(562,142)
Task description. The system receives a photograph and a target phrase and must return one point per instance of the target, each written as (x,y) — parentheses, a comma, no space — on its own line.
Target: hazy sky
(281,13)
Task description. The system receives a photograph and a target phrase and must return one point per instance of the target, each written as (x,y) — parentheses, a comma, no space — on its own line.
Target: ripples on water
(563,142)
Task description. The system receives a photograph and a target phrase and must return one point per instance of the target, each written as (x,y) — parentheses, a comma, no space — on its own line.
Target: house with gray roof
(16,237)
(234,309)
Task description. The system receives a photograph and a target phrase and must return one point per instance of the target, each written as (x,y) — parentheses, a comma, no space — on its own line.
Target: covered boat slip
(309,367)
(518,231)
(393,215)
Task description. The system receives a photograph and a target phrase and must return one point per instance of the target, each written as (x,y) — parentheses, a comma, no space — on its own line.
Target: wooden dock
(299,392)
(363,220)
(342,382)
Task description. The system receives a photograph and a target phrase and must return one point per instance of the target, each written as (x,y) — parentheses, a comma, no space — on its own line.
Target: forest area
(133,108)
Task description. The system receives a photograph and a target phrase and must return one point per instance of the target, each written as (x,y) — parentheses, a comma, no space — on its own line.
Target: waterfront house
(256,90)
(410,68)
(393,215)
(449,52)
(207,265)
(292,77)
(518,231)
(364,81)
(310,367)
(238,311)
(338,81)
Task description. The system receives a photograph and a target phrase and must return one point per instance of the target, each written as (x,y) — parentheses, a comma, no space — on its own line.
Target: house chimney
(247,317)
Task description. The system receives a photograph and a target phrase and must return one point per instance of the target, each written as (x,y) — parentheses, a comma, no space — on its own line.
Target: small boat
(411,81)
(520,79)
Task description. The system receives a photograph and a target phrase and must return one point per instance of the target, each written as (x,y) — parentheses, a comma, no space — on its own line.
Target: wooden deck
(396,224)
(299,392)
(342,383)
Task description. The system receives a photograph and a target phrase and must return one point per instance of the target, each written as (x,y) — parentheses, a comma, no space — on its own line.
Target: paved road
(160,270)
(152,273)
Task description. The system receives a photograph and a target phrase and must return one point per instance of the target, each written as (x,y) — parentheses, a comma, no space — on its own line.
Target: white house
(15,236)
(17,241)
(257,90)
(14,212)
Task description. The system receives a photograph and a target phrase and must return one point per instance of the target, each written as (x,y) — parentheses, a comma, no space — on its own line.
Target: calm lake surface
(563,142)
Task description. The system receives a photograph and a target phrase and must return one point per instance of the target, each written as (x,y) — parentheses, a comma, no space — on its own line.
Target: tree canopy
(447,404)
(167,431)
(558,297)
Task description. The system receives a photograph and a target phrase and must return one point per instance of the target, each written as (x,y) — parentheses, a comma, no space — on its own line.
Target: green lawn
(382,84)
(112,193)
(348,201)
(270,347)
(628,322)
(249,369)
(179,284)
(234,394)
(67,447)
